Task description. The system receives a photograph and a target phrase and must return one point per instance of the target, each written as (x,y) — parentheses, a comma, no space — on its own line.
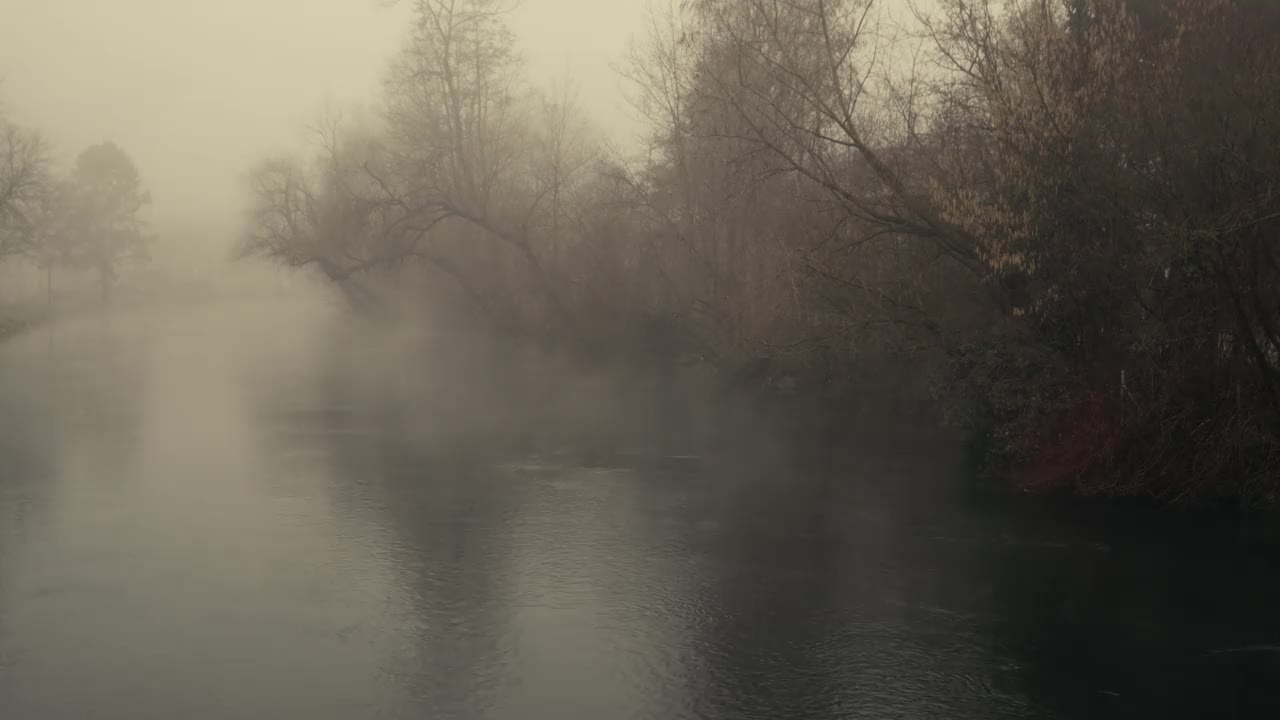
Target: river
(198,521)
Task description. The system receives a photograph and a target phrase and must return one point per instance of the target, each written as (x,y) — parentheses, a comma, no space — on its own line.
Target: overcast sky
(196,90)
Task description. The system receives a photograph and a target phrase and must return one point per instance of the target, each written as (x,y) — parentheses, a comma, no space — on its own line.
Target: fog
(198,91)
(525,359)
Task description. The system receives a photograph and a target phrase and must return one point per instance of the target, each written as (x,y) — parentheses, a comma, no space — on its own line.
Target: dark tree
(104,211)
(24,188)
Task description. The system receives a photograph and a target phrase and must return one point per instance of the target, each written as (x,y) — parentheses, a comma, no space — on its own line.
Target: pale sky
(197,90)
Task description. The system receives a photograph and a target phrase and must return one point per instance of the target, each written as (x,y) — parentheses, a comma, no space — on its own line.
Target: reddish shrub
(1072,445)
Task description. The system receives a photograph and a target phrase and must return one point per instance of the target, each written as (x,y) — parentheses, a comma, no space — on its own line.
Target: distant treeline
(89,220)
(1066,212)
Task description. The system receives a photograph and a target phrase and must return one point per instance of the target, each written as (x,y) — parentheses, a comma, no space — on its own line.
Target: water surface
(200,517)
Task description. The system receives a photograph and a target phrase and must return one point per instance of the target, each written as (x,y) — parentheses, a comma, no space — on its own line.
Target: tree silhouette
(107,197)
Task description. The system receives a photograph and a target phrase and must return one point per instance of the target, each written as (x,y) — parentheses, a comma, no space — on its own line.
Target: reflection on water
(200,519)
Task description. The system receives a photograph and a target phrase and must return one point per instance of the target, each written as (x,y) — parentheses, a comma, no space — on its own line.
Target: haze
(715,359)
(198,91)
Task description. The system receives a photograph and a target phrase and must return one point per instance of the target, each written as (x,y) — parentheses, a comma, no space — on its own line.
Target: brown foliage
(1066,208)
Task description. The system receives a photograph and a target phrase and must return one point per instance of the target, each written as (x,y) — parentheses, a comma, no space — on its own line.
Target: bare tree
(25,188)
(473,177)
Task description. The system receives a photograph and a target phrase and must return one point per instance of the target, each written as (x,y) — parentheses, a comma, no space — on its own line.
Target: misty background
(957,206)
(199,92)
(544,359)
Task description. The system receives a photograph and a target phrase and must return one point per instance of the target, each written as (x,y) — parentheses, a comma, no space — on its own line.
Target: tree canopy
(1061,211)
(104,204)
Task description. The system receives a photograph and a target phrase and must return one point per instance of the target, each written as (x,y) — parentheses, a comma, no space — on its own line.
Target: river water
(198,520)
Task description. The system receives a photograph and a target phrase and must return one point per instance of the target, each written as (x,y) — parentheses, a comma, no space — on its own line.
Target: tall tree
(108,198)
(25,186)
(470,180)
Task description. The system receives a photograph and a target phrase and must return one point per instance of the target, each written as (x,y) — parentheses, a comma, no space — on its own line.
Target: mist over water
(559,359)
(217,513)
